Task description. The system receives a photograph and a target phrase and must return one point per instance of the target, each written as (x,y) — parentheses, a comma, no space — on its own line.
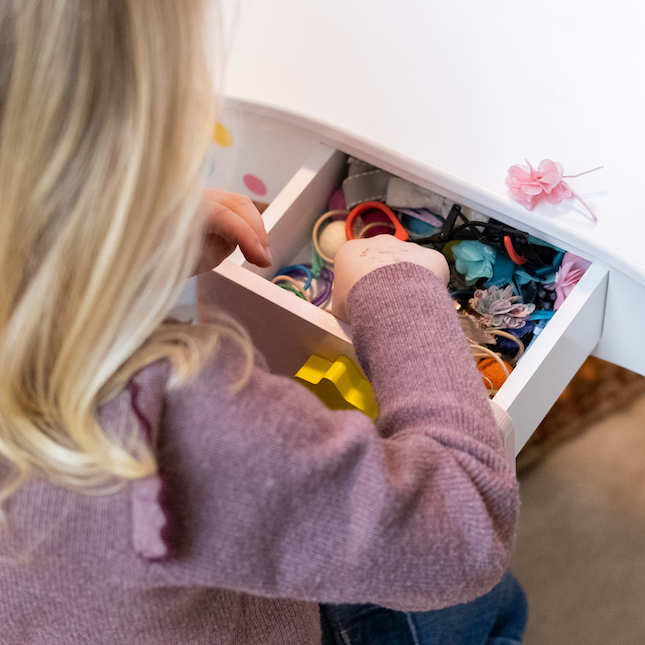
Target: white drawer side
(556,355)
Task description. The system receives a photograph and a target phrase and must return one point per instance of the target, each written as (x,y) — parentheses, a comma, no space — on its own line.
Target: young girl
(157,484)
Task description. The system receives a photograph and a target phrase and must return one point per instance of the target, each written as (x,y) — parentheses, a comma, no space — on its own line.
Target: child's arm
(279,496)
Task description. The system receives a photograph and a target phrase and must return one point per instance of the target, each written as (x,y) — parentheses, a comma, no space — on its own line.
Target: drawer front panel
(556,355)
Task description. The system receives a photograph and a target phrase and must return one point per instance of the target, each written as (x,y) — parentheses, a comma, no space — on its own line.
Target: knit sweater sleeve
(275,495)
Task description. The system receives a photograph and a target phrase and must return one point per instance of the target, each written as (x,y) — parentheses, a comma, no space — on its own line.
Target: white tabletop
(471,88)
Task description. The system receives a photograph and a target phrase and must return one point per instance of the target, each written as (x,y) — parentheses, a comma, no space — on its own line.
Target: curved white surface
(465,89)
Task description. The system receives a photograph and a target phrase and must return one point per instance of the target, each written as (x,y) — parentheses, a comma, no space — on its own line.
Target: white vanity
(447,94)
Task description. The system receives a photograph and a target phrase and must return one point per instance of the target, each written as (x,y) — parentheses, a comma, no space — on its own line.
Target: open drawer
(288,329)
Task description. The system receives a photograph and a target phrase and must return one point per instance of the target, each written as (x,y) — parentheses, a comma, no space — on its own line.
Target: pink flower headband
(527,185)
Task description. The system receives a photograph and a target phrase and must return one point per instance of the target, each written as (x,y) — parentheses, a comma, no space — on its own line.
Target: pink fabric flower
(568,276)
(528,185)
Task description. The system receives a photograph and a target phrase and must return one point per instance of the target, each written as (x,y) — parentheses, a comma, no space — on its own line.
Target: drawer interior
(288,330)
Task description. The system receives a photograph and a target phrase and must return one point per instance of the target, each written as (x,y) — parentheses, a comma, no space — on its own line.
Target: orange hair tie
(512,253)
(399,232)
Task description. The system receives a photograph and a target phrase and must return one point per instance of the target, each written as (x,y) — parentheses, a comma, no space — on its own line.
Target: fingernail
(267,253)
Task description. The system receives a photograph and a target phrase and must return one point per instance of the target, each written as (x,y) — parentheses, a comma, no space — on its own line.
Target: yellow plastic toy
(338,384)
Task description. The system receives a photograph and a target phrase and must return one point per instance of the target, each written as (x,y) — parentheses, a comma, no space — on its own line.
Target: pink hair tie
(528,185)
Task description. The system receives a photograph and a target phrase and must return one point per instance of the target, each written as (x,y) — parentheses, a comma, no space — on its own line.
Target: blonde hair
(106,112)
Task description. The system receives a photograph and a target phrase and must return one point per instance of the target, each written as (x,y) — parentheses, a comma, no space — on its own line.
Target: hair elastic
(479,351)
(335,214)
(298,268)
(327,278)
(512,253)
(399,232)
(321,298)
(372,225)
(293,290)
(489,385)
(287,278)
(505,334)
(323,293)
(492,374)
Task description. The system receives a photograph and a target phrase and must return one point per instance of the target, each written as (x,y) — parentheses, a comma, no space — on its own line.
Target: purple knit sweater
(276,503)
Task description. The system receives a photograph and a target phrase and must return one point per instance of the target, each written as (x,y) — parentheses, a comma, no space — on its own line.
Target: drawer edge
(556,355)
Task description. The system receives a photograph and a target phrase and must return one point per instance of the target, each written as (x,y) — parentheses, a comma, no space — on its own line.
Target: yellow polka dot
(222,136)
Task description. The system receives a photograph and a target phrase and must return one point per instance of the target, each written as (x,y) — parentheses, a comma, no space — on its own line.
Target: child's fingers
(227,226)
(241,206)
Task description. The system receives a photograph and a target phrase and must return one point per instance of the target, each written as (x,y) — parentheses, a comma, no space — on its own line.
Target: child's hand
(232,220)
(357,258)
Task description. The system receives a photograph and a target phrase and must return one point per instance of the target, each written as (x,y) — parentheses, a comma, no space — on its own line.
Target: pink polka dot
(255,185)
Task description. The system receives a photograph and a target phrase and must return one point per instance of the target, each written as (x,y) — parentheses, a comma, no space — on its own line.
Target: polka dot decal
(255,185)
(222,136)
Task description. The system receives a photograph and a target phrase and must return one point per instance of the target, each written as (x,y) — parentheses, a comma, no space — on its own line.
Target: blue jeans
(497,618)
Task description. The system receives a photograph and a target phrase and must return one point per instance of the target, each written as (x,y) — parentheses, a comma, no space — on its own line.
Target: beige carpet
(581,549)
(597,390)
